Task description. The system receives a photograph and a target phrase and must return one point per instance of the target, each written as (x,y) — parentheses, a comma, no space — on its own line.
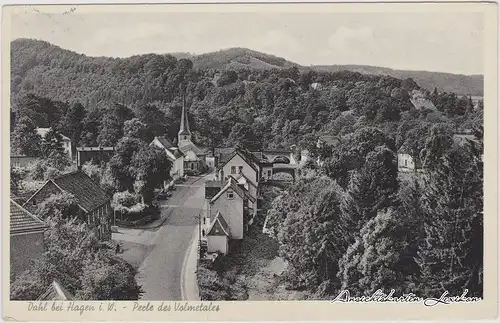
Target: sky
(446,42)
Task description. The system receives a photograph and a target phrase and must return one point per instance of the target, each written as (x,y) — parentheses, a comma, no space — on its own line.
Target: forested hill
(259,108)
(445,82)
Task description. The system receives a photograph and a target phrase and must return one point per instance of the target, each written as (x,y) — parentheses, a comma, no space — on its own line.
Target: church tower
(184,132)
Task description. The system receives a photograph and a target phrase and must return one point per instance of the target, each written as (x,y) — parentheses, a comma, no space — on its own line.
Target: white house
(406,162)
(66,142)
(245,183)
(233,202)
(173,154)
(218,235)
(240,162)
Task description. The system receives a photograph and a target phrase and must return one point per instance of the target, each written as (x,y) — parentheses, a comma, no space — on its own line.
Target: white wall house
(250,187)
(173,154)
(239,164)
(405,162)
(218,235)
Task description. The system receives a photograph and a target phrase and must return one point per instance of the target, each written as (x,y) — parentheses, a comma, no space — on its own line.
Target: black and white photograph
(166,155)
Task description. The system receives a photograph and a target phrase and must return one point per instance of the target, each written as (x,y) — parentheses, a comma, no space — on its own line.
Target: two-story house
(234,204)
(240,161)
(93,202)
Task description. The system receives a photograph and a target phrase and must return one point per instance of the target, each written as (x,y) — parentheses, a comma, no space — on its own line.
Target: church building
(194,157)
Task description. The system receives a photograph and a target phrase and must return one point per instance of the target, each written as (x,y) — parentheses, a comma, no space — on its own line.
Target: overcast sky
(451,42)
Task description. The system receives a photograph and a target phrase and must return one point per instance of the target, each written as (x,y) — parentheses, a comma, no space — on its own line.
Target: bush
(122,200)
(51,172)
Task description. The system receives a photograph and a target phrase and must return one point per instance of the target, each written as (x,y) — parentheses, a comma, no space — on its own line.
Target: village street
(159,254)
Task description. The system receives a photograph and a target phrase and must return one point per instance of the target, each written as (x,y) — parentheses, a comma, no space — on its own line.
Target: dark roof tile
(23,221)
(88,193)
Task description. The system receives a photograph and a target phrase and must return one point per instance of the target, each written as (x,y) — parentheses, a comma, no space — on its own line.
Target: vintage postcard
(239,161)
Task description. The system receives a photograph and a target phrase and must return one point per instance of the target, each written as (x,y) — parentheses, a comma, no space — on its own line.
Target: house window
(406,162)
(233,169)
(230,195)
(269,174)
(240,170)
(34,202)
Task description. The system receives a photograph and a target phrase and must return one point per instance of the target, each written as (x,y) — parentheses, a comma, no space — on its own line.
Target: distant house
(20,161)
(93,201)
(175,156)
(420,102)
(406,163)
(316,86)
(66,142)
(97,155)
(235,204)
(56,292)
(26,238)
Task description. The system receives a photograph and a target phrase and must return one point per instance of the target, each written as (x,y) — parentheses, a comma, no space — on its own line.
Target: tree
(242,134)
(136,129)
(72,256)
(120,163)
(64,204)
(72,123)
(15,181)
(451,258)
(24,139)
(52,143)
(372,188)
(374,261)
(438,142)
(312,233)
(151,167)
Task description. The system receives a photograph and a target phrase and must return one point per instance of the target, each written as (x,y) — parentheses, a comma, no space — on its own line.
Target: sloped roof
(168,145)
(165,142)
(423,103)
(231,183)
(22,221)
(87,192)
(240,175)
(187,145)
(219,227)
(55,292)
(248,157)
(43,131)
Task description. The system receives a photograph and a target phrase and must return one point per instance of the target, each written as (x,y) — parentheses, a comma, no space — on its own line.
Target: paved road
(160,273)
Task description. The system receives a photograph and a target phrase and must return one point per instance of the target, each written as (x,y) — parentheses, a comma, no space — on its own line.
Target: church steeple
(184,132)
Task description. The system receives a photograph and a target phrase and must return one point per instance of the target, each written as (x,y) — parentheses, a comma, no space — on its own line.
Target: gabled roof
(188,145)
(165,142)
(22,221)
(219,227)
(167,145)
(245,155)
(231,183)
(55,292)
(87,192)
(240,175)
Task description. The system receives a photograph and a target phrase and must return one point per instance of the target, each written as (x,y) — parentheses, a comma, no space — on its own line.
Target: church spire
(184,132)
